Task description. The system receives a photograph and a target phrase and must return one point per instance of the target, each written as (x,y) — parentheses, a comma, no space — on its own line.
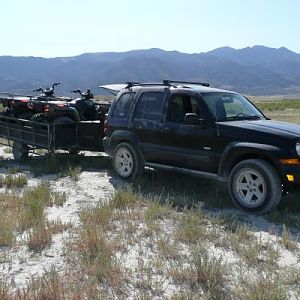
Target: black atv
(84,108)
(16,106)
(81,119)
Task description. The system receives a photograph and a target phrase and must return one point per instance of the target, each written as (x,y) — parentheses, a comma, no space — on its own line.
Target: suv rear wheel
(126,162)
(255,186)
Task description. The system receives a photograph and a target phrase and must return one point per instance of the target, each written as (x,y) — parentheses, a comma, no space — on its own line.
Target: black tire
(66,120)
(38,118)
(126,162)
(255,186)
(63,120)
(25,116)
(73,151)
(20,151)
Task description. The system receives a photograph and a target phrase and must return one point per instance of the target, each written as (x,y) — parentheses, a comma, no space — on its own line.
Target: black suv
(192,128)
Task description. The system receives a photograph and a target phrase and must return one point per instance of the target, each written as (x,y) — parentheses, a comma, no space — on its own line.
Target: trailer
(25,136)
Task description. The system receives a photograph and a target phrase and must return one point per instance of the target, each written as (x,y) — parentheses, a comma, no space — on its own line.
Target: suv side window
(122,106)
(180,105)
(149,106)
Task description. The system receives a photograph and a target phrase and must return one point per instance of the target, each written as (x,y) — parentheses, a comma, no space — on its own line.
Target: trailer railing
(36,134)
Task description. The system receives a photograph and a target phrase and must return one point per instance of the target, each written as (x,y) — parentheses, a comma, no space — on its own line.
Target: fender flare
(119,136)
(237,151)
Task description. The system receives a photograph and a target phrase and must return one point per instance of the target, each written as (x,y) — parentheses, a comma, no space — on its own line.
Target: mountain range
(256,70)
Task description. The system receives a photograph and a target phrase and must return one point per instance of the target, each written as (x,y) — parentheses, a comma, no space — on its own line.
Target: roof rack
(169,82)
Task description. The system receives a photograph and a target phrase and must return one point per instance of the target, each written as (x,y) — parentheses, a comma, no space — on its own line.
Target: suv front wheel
(255,186)
(126,162)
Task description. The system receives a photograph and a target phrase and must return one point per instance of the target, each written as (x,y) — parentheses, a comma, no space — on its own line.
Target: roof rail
(130,84)
(169,82)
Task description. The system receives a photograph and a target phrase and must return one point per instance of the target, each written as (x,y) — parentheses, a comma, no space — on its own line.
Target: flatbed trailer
(25,136)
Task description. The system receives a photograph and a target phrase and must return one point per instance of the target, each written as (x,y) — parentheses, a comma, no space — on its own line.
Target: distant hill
(254,70)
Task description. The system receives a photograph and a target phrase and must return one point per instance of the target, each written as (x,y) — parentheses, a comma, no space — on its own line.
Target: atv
(84,108)
(16,106)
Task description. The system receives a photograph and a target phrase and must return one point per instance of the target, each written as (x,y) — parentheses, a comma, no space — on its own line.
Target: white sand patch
(19,263)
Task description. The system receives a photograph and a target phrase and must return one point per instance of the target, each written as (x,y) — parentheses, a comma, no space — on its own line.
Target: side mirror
(193,119)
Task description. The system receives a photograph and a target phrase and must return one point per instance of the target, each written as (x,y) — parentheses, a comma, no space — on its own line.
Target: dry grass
(27,212)
(181,253)
(95,254)
(13,181)
(7,150)
(39,236)
(7,237)
(74,172)
(204,275)
(286,239)
(14,170)
(262,288)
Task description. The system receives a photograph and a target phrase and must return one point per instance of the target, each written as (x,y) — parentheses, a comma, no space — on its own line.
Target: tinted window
(122,107)
(180,106)
(149,106)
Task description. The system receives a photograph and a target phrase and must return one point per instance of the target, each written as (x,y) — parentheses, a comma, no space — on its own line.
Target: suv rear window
(149,106)
(122,106)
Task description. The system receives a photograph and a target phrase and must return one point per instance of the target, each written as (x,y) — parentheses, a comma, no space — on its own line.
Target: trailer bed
(83,135)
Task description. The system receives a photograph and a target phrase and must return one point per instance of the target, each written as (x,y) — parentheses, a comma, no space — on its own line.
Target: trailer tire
(20,151)
(66,120)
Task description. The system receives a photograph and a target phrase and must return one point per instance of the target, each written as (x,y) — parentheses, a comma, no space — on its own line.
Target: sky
(51,28)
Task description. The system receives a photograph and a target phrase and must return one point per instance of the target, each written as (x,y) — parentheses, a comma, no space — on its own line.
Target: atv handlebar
(55,84)
(86,95)
(77,92)
(38,90)
(47,91)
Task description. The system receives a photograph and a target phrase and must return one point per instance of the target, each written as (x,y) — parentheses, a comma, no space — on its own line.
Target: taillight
(46,108)
(106,127)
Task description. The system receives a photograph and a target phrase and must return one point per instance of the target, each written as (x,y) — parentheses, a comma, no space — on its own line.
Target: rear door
(188,145)
(147,123)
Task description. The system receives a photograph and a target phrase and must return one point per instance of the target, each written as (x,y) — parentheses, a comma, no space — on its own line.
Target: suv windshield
(230,107)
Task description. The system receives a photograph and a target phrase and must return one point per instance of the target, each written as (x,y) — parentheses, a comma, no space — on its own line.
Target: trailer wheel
(20,151)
